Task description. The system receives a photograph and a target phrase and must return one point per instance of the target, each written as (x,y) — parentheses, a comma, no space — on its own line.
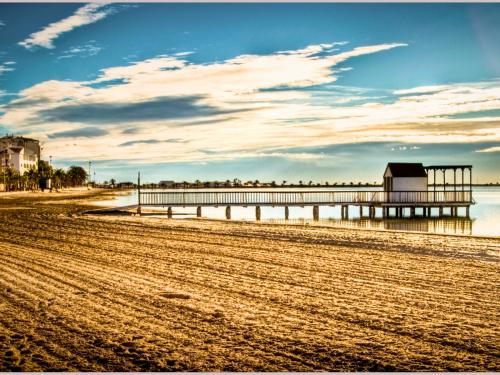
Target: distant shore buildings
(19,153)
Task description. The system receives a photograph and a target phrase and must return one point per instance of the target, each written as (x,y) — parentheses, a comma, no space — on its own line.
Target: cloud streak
(490,149)
(85,15)
(163,108)
(7,67)
(85,50)
(88,132)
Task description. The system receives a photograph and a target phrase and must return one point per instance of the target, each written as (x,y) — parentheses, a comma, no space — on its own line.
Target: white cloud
(187,53)
(84,50)
(2,23)
(85,15)
(490,149)
(421,90)
(5,67)
(248,114)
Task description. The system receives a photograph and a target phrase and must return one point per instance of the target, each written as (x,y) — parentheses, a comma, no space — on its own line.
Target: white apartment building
(19,153)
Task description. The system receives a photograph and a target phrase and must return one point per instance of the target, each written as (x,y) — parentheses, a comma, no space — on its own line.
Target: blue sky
(323,92)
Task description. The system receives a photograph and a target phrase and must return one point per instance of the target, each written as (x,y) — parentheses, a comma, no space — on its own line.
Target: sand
(104,293)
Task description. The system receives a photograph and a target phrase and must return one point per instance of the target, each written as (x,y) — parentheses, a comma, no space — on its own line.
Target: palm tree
(44,169)
(77,175)
(31,179)
(112,182)
(23,181)
(59,177)
(283,183)
(11,179)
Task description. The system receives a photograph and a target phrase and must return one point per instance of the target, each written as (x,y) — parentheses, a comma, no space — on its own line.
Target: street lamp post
(90,176)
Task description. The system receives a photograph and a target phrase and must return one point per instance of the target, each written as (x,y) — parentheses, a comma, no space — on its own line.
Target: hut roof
(407,169)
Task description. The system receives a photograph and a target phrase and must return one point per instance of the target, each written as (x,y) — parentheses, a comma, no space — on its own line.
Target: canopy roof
(448,167)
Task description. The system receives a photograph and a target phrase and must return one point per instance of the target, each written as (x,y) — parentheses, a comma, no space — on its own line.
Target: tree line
(30,179)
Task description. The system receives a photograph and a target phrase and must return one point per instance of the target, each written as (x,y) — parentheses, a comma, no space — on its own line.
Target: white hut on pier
(405,177)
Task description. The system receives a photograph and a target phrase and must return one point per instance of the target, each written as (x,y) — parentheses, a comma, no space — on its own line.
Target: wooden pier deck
(396,200)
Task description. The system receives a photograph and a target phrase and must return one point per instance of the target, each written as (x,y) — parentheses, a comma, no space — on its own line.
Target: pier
(392,204)
(422,197)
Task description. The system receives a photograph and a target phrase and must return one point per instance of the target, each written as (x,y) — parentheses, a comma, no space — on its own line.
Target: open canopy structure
(443,168)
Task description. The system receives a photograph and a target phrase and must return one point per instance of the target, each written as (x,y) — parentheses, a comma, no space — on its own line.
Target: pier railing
(302,198)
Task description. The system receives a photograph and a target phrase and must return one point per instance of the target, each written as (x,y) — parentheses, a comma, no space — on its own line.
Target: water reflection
(458,225)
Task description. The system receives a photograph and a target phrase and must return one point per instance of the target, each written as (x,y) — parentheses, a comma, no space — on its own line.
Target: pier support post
(467,211)
(198,211)
(228,212)
(345,212)
(360,212)
(316,213)
(287,212)
(412,212)
(169,212)
(257,213)
(440,211)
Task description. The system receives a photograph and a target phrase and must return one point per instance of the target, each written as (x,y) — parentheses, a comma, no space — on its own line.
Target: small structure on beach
(405,177)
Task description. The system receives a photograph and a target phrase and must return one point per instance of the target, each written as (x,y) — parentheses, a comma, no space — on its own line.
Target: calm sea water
(484,219)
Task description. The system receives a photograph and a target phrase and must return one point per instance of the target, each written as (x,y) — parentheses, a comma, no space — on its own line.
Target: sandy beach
(106,293)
